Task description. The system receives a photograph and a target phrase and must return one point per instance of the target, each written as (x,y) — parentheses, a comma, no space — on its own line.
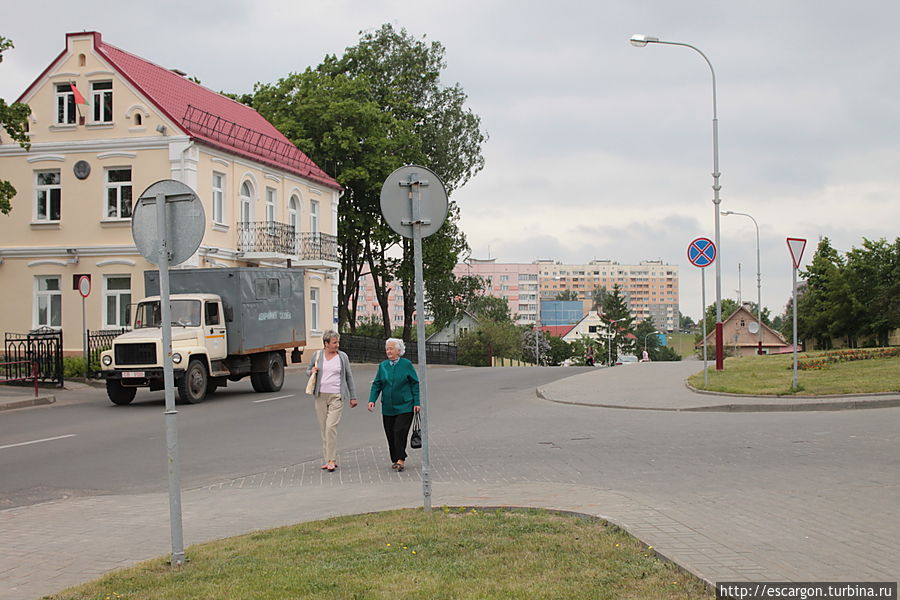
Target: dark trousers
(396,428)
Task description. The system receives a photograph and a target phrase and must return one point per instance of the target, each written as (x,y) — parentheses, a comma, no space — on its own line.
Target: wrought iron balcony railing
(281,238)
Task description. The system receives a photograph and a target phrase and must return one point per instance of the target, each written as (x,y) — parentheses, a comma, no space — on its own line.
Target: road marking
(275,398)
(59,437)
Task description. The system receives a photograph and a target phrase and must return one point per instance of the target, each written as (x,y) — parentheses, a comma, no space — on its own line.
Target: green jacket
(398,385)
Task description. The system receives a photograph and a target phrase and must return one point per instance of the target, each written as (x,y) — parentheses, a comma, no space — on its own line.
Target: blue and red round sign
(701,252)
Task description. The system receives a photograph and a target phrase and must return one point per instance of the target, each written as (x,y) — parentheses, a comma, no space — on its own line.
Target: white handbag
(311,384)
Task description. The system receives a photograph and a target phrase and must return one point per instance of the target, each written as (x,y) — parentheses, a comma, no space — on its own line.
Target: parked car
(627,359)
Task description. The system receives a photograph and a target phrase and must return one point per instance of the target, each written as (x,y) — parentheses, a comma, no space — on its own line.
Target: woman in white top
(333,383)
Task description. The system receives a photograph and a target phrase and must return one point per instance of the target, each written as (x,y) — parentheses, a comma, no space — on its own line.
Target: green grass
(449,553)
(773,375)
(682,343)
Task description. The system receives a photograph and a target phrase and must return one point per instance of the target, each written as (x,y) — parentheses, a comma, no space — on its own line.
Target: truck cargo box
(264,307)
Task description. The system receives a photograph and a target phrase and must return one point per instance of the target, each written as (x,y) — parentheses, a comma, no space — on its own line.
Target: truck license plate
(132,374)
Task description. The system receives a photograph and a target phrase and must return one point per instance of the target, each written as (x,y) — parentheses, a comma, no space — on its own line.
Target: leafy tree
(14,119)
(598,298)
(873,277)
(566,295)
(560,350)
(825,310)
(533,337)
(492,338)
(685,323)
(729,305)
(490,308)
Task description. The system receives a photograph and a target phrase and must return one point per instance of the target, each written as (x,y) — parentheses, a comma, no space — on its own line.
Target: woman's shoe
(325,467)
(330,468)
(400,466)
(395,466)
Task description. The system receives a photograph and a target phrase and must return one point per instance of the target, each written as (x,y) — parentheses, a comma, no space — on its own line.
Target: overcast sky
(597,149)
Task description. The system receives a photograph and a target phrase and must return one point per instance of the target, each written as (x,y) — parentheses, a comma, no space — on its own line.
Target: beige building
(741,333)
(104,125)
(650,288)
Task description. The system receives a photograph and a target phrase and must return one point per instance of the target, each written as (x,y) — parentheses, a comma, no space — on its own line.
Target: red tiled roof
(209,117)
(557,330)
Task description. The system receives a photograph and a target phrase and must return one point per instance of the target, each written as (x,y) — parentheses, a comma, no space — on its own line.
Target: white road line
(59,437)
(275,398)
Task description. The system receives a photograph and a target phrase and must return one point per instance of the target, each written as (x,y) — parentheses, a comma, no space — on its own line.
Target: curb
(40,400)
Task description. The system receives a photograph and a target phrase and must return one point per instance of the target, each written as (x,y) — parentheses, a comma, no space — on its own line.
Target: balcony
(280,242)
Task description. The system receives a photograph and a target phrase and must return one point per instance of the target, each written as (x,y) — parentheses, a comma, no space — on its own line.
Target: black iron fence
(361,348)
(97,342)
(42,346)
(281,238)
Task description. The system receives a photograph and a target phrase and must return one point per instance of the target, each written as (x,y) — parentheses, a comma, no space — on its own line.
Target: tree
(872,275)
(566,295)
(617,320)
(598,298)
(685,323)
(729,305)
(492,338)
(826,310)
(533,337)
(490,308)
(14,119)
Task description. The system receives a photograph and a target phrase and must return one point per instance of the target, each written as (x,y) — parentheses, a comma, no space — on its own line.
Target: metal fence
(42,346)
(97,342)
(363,348)
(281,238)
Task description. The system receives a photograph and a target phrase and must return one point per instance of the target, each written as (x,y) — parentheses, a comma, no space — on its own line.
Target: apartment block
(517,283)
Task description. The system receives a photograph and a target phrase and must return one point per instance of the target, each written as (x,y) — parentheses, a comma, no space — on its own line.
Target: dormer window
(103,101)
(65,104)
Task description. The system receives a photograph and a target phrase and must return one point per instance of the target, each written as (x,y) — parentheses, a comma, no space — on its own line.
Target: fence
(20,373)
(42,346)
(98,341)
(363,348)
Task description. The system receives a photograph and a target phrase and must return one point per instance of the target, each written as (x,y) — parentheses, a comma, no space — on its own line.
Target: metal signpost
(795,246)
(167,226)
(84,288)
(702,253)
(414,204)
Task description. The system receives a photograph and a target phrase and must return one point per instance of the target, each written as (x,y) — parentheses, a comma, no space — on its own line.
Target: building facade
(517,283)
(650,288)
(106,124)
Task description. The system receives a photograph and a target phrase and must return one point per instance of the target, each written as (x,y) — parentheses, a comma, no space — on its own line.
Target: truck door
(214,331)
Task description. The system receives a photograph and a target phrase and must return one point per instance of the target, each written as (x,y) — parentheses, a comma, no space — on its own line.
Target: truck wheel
(273,377)
(192,387)
(118,393)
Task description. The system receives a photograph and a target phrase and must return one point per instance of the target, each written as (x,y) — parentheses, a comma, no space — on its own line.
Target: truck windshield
(185,313)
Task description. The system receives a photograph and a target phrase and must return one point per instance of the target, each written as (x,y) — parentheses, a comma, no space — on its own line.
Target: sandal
(395,466)
(330,468)
(400,466)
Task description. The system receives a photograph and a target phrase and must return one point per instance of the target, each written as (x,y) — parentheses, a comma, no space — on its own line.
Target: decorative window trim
(220,161)
(103,155)
(45,225)
(99,72)
(272,177)
(43,157)
(220,227)
(48,261)
(116,261)
(101,125)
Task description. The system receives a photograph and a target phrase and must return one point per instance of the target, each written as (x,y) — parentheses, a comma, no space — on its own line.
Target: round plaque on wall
(82,169)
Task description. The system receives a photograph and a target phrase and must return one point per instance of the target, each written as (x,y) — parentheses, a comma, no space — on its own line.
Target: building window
(118,193)
(294,213)
(271,197)
(103,97)
(314,216)
(246,202)
(48,195)
(65,104)
(218,197)
(47,301)
(117,300)
(314,308)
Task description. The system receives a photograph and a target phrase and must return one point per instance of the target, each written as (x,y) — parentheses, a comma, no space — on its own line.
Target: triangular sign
(796,246)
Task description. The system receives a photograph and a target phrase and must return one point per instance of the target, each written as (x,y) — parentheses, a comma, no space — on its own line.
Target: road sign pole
(84,338)
(703,318)
(794,383)
(172,462)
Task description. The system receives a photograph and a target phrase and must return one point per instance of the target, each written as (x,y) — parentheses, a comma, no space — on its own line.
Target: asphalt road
(85,445)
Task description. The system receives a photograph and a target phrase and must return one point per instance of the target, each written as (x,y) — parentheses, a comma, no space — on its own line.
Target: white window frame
(43,193)
(65,105)
(246,202)
(218,197)
(44,299)
(122,300)
(118,188)
(271,200)
(314,308)
(103,101)
(314,216)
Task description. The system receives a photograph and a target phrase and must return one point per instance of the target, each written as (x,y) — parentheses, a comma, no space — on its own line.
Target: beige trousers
(328,409)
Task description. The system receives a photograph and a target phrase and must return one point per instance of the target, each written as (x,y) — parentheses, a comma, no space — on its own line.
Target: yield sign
(796,246)
(701,252)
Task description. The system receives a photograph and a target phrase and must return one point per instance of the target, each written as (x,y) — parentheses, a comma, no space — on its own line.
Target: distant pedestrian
(645,356)
(334,383)
(589,356)
(397,382)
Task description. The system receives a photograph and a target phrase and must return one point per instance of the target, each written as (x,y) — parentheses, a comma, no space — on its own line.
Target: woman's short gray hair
(401,347)
(329,335)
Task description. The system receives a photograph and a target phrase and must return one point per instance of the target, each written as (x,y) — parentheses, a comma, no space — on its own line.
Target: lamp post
(648,335)
(610,336)
(758,277)
(640,40)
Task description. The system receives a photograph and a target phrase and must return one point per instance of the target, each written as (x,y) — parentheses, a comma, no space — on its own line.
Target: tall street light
(648,335)
(640,40)
(759,349)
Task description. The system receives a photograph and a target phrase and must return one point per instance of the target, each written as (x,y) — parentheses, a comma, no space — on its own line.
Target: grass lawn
(682,343)
(449,553)
(764,375)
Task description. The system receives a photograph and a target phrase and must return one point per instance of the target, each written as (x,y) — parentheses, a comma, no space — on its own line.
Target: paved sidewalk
(664,388)
(50,546)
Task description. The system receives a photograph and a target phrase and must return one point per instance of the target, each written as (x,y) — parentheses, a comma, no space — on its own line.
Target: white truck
(227,323)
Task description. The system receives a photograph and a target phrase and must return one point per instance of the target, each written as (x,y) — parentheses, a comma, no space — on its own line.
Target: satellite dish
(753,327)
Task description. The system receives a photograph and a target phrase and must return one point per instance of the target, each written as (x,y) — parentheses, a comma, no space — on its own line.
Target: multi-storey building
(104,125)
(650,287)
(517,283)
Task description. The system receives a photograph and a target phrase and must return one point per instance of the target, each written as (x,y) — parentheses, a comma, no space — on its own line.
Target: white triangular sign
(796,246)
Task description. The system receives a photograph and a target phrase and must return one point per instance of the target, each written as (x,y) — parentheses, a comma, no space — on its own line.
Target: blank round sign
(396,206)
(185,222)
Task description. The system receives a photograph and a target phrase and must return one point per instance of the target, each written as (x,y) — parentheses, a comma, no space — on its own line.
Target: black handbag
(415,440)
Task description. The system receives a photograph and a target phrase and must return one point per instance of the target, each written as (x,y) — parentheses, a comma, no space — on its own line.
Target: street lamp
(640,40)
(648,335)
(759,349)
(610,336)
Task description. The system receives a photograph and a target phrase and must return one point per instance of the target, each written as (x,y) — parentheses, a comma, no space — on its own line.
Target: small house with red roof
(105,124)
(744,335)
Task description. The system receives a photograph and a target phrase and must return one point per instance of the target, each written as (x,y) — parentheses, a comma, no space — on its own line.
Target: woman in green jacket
(398,384)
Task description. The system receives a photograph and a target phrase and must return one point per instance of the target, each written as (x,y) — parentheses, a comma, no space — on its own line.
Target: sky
(597,149)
